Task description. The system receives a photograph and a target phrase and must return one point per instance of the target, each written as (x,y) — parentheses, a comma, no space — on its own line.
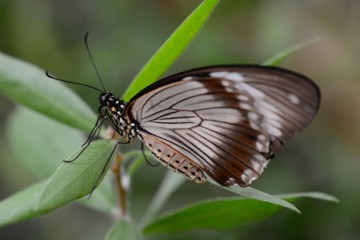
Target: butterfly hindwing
(173,159)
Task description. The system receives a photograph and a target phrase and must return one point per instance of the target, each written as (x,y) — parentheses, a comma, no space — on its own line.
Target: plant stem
(122,189)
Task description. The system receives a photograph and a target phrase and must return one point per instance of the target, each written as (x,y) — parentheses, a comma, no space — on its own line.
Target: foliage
(27,85)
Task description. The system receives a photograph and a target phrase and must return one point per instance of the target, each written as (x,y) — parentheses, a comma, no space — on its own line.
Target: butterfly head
(111,102)
(113,109)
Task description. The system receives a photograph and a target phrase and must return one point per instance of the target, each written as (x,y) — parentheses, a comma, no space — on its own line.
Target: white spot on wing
(294,99)
(252,116)
(259,147)
(274,131)
(218,74)
(225,83)
(267,113)
(230,180)
(253,91)
(258,168)
(235,76)
(188,78)
(243,98)
(244,177)
(230,89)
(248,176)
(261,137)
(245,106)
(254,125)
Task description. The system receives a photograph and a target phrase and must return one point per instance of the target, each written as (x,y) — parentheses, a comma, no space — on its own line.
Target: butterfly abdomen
(174,160)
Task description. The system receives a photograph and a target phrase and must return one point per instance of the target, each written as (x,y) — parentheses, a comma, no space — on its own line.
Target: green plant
(28,85)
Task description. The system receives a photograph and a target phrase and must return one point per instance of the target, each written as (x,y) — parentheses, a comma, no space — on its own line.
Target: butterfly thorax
(113,110)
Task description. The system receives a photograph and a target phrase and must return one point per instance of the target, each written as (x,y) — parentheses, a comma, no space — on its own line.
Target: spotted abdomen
(173,159)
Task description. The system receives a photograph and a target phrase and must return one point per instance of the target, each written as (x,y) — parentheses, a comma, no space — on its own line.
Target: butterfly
(223,122)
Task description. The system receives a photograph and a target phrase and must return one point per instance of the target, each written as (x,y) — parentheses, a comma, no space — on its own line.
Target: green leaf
(315,195)
(20,206)
(172,48)
(40,152)
(23,205)
(280,57)
(123,230)
(35,144)
(170,183)
(103,198)
(257,194)
(29,86)
(222,214)
(74,180)
(262,196)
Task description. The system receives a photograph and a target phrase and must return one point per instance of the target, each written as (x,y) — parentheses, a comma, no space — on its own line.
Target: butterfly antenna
(70,82)
(92,60)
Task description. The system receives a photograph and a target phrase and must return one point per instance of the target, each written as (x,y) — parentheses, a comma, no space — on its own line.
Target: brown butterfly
(225,122)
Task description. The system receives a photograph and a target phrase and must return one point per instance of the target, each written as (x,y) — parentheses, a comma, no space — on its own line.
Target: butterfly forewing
(227,121)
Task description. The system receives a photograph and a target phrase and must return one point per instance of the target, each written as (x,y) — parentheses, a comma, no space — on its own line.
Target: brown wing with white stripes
(225,121)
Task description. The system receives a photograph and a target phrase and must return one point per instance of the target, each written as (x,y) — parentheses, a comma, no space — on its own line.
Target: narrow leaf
(74,180)
(29,86)
(315,195)
(262,196)
(123,230)
(222,214)
(172,48)
(281,56)
(257,194)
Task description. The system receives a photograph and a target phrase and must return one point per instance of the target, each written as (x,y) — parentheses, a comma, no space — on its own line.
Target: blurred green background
(124,35)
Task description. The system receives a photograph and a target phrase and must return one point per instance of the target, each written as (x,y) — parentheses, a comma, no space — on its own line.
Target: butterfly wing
(226,121)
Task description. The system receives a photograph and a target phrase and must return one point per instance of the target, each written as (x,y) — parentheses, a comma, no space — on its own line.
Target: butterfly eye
(103,98)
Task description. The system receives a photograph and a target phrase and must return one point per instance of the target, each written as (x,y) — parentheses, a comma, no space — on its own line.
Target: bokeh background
(124,35)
